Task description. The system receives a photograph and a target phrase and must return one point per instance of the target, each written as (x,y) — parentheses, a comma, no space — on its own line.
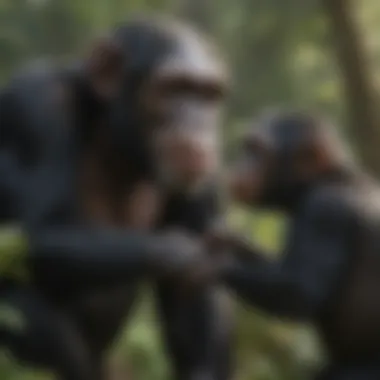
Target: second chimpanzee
(329,273)
(93,159)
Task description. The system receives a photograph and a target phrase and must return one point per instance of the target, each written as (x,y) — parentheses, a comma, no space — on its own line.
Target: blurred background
(319,54)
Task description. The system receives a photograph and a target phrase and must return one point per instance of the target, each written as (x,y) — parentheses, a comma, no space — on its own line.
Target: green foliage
(10,369)
(279,52)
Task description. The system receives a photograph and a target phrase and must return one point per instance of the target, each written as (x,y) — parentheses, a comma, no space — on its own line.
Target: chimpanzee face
(184,98)
(280,158)
(167,99)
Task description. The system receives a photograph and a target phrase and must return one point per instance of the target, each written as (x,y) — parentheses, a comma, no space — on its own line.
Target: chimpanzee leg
(101,315)
(197,328)
(40,337)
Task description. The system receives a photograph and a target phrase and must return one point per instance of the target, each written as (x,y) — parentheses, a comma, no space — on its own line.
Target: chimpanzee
(293,161)
(108,170)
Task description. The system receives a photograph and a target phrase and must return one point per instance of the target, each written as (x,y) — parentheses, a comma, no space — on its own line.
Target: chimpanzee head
(166,86)
(283,156)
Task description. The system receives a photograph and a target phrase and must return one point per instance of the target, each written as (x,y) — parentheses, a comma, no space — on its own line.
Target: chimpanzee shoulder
(31,96)
(36,132)
(331,206)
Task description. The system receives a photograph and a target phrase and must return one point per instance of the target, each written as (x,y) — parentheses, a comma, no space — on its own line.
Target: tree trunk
(356,77)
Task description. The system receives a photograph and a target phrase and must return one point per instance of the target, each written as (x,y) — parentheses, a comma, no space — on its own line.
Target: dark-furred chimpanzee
(329,274)
(98,164)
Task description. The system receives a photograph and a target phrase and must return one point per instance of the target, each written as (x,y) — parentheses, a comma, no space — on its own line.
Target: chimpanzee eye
(176,87)
(212,92)
(183,86)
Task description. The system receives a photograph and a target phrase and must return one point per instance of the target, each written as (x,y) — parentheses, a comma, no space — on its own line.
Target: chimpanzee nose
(190,156)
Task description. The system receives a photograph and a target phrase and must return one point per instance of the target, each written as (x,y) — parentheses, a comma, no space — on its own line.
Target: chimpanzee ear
(105,65)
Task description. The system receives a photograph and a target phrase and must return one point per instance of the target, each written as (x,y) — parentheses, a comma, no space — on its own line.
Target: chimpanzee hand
(205,274)
(223,241)
(219,242)
(219,237)
(175,254)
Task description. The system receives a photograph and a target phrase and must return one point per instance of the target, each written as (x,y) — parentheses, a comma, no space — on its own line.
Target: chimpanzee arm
(315,257)
(10,170)
(196,324)
(37,161)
